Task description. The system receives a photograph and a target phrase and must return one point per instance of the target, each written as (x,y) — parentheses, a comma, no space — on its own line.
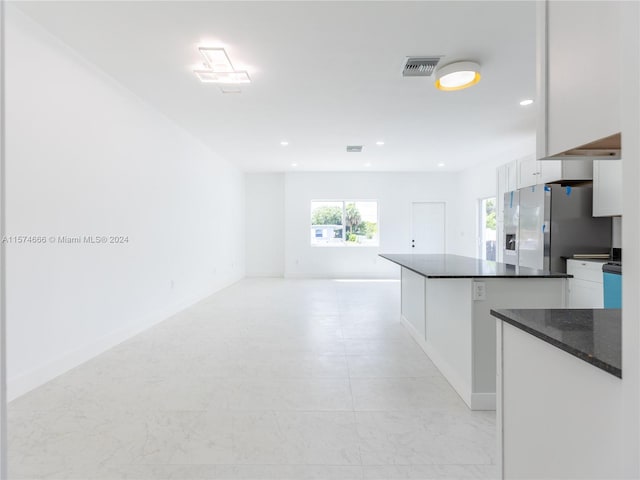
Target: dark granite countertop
(457,266)
(593,335)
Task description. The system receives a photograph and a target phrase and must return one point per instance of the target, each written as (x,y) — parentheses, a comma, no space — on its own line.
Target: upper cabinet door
(578,55)
(607,188)
(528,172)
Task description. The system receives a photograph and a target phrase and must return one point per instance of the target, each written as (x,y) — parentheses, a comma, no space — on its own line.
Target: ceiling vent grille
(420,66)
(354,148)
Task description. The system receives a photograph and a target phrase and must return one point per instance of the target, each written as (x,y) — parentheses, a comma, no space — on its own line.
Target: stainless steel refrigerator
(545,224)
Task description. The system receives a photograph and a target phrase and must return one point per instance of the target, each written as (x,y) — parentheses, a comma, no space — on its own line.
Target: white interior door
(427,227)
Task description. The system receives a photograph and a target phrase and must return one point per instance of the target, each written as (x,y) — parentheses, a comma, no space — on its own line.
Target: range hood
(607,148)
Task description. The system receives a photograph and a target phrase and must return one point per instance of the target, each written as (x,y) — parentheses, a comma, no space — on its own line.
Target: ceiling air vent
(420,66)
(354,148)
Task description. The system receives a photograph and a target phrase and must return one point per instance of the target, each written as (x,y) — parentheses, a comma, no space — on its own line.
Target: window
(487,230)
(344,223)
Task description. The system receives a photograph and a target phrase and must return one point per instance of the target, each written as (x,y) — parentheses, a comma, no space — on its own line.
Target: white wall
(268,230)
(394,192)
(3,337)
(630,50)
(616,232)
(86,157)
(264,203)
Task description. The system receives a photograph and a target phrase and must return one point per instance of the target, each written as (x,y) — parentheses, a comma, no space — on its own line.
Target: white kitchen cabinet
(578,79)
(583,294)
(550,171)
(585,289)
(507,176)
(501,183)
(512,176)
(538,172)
(556,170)
(500,186)
(528,172)
(506,181)
(607,188)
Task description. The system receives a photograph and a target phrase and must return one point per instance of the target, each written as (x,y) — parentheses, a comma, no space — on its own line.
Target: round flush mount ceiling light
(457,76)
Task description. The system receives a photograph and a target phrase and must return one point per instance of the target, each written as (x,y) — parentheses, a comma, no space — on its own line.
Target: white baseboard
(265,275)
(413,332)
(21,384)
(475,401)
(483,401)
(342,276)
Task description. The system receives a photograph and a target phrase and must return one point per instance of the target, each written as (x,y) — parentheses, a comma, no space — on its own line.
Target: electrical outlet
(479,291)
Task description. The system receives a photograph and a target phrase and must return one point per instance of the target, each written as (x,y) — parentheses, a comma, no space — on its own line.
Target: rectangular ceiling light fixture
(218,68)
(217,59)
(207,76)
(233,77)
(354,148)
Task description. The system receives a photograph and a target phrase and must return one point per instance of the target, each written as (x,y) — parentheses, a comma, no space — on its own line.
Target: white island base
(558,416)
(450,319)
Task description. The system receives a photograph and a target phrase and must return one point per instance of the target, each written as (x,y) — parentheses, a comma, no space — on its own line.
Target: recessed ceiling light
(457,76)
(294,165)
(380,143)
(284,143)
(367,164)
(526,102)
(441,164)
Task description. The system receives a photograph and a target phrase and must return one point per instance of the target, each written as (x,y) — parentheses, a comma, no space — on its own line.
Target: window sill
(345,246)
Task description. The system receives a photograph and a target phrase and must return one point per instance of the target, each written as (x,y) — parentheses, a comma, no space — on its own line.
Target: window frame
(481,227)
(344,243)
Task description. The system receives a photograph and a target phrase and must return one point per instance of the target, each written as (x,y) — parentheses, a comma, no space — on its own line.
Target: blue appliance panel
(612,289)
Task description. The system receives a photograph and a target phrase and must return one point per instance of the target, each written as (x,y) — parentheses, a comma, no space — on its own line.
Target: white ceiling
(325,74)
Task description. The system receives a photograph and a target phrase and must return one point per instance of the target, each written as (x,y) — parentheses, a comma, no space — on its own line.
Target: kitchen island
(446,303)
(559,393)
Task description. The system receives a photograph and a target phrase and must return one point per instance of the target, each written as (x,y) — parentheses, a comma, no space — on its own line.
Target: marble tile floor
(267,379)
